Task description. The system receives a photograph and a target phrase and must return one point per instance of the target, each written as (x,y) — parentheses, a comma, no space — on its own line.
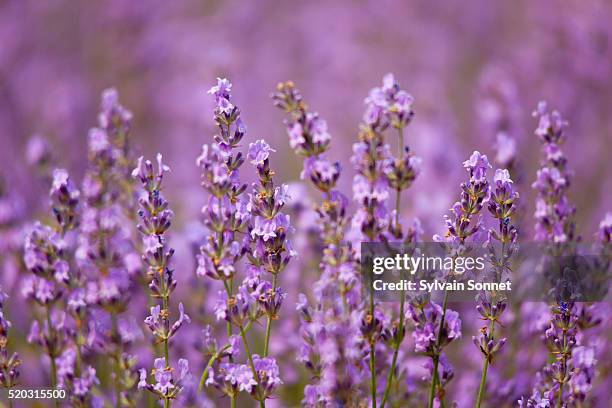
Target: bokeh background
(475,69)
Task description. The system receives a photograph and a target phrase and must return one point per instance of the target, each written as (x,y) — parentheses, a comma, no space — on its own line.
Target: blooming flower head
(477,166)
(259,152)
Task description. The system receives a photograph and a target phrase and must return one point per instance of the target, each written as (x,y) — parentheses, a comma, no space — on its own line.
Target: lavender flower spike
(502,206)
(46,255)
(155,220)
(9,365)
(462,225)
(228,214)
(331,339)
(560,382)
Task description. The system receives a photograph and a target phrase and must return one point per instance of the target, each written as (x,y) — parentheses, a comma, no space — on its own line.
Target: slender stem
(483,377)
(398,196)
(399,340)
(77,369)
(232,402)
(436,357)
(166,339)
(485,366)
(373,374)
(564,365)
(53,372)
(117,362)
(372,353)
(269,323)
(209,365)
(246,348)
(251,364)
(53,368)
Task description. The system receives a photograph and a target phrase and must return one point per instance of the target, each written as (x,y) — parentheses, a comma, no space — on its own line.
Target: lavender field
(185,188)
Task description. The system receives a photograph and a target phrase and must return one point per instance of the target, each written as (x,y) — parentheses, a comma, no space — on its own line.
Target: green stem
(53,368)
(166,340)
(269,323)
(483,377)
(398,199)
(209,365)
(436,357)
(398,196)
(395,353)
(118,352)
(53,373)
(78,349)
(250,358)
(372,353)
(564,365)
(246,348)
(485,366)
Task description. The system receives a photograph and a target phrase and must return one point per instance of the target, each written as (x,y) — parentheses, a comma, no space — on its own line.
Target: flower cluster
(465,222)
(427,319)
(59,287)
(388,105)
(155,220)
(229,214)
(559,382)
(553,210)
(86,274)
(9,364)
(491,305)
(167,382)
(331,348)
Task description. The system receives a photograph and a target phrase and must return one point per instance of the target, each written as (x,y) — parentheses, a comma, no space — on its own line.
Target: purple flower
(38,152)
(605,228)
(477,166)
(168,382)
(9,362)
(222,89)
(268,373)
(259,152)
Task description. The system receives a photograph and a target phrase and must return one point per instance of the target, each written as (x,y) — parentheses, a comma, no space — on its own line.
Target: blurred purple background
(466,63)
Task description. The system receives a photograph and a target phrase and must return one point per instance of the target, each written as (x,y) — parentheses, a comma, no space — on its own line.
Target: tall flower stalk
(491,305)
(155,220)
(331,347)
(394,109)
(463,225)
(252,225)
(555,227)
(9,364)
(106,252)
(47,255)
(270,250)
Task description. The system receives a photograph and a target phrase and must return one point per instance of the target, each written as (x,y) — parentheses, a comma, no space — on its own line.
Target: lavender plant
(155,220)
(265,227)
(491,305)
(555,226)
(331,348)
(106,252)
(84,273)
(47,253)
(9,363)
(463,225)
